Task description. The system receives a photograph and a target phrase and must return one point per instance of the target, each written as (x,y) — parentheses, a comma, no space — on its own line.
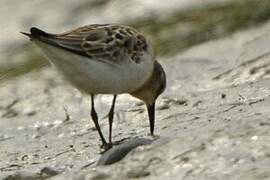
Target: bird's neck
(146,92)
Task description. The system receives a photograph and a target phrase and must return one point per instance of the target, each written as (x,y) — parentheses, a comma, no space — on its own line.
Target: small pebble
(223,96)
(49,172)
(20,128)
(254,138)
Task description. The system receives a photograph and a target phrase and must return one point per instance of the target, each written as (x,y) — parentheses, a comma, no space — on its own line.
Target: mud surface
(213,120)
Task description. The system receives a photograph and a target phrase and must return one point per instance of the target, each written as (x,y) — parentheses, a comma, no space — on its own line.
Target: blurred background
(172,26)
(215,110)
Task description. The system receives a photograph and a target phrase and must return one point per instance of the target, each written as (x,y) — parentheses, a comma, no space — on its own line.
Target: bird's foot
(105,147)
(153,136)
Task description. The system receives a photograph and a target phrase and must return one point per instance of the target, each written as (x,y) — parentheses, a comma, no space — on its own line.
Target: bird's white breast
(96,76)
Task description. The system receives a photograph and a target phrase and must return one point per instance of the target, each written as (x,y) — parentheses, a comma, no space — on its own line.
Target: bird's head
(150,91)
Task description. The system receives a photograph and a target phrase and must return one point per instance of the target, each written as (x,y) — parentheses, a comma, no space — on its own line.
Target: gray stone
(120,151)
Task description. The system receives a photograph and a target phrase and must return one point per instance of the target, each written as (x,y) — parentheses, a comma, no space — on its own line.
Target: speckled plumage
(106,59)
(107,41)
(99,59)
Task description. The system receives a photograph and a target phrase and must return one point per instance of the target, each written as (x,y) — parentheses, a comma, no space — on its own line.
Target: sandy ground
(212,121)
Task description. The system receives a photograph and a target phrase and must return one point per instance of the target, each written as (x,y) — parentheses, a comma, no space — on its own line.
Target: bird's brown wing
(107,42)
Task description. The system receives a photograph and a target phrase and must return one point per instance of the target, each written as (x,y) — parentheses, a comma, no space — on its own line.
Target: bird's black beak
(27,34)
(151,114)
(36,33)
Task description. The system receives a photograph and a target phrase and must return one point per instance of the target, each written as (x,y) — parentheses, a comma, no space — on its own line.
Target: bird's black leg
(95,120)
(151,114)
(111,113)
